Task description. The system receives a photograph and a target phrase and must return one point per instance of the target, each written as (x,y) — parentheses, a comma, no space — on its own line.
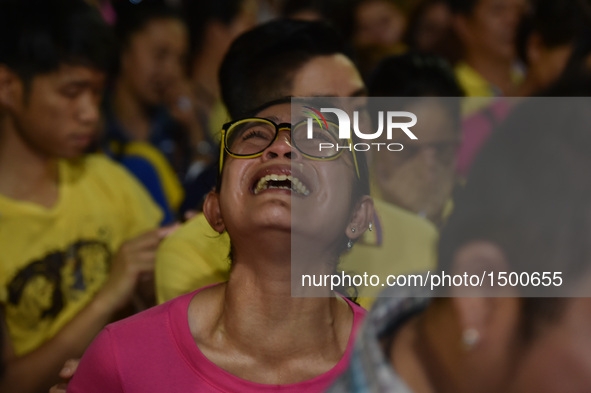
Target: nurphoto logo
(395,120)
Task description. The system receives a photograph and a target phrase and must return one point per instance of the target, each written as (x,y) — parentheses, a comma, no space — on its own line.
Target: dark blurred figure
(421,177)
(429,27)
(147,120)
(526,208)
(549,34)
(337,13)
(548,37)
(379,31)
(487,32)
(106,9)
(213,25)
(379,22)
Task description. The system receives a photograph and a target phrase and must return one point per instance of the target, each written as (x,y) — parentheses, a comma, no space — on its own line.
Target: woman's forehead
(279,113)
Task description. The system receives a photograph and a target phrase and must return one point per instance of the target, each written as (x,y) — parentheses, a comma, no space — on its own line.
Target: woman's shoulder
(154,319)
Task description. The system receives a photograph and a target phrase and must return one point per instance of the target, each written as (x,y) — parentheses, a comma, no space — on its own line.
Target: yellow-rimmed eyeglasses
(249,138)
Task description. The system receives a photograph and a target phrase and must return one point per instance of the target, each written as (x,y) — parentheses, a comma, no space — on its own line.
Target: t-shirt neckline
(221,379)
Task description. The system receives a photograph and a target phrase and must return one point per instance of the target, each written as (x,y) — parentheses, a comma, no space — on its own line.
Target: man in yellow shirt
(275,60)
(77,233)
(487,30)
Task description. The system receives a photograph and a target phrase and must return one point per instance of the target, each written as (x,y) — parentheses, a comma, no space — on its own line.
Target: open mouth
(281,182)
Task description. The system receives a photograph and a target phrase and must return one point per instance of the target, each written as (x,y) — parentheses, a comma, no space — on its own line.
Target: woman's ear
(11,88)
(361,218)
(213,213)
(485,313)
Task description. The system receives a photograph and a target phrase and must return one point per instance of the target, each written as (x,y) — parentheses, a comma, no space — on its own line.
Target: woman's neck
(285,339)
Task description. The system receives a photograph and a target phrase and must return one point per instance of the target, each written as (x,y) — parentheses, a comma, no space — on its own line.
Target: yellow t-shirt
(195,255)
(479,91)
(190,258)
(54,260)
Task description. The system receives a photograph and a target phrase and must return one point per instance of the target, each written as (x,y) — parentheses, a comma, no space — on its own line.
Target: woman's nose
(282,146)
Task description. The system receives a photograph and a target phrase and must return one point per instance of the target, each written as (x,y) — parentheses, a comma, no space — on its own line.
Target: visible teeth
(296,184)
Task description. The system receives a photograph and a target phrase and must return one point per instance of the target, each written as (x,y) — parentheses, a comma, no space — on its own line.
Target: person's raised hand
(134,259)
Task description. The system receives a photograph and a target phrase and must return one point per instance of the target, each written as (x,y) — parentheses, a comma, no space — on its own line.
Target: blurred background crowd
(180,69)
(163,102)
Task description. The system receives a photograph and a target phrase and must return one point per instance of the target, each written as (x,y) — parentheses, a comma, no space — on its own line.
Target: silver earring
(353,229)
(370,226)
(470,337)
(350,244)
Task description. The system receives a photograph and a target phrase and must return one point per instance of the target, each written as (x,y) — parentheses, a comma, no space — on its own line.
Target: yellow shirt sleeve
(192,257)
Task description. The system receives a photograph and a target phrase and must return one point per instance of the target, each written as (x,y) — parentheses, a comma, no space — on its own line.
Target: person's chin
(153,99)
(73,153)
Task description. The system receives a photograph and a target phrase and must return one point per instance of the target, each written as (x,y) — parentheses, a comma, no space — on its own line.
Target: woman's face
(261,193)
(153,60)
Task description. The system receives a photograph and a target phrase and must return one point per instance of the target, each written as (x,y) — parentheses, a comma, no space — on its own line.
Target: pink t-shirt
(154,351)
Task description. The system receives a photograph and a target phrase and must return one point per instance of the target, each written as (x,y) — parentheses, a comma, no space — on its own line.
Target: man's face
(379,22)
(328,76)
(58,115)
(491,27)
(420,178)
(153,60)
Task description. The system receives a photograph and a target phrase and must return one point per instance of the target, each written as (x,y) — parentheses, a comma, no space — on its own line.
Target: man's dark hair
(199,13)
(40,35)
(414,75)
(529,193)
(260,64)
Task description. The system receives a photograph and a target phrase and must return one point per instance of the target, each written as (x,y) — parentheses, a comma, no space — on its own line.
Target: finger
(146,276)
(146,241)
(168,230)
(59,388)
(154,233)
(144,261)
(69,368)
(190,214)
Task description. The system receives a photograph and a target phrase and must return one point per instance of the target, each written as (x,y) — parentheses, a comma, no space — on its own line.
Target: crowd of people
(157,190)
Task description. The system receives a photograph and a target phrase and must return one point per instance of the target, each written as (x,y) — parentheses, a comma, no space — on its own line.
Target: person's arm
(38,370)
